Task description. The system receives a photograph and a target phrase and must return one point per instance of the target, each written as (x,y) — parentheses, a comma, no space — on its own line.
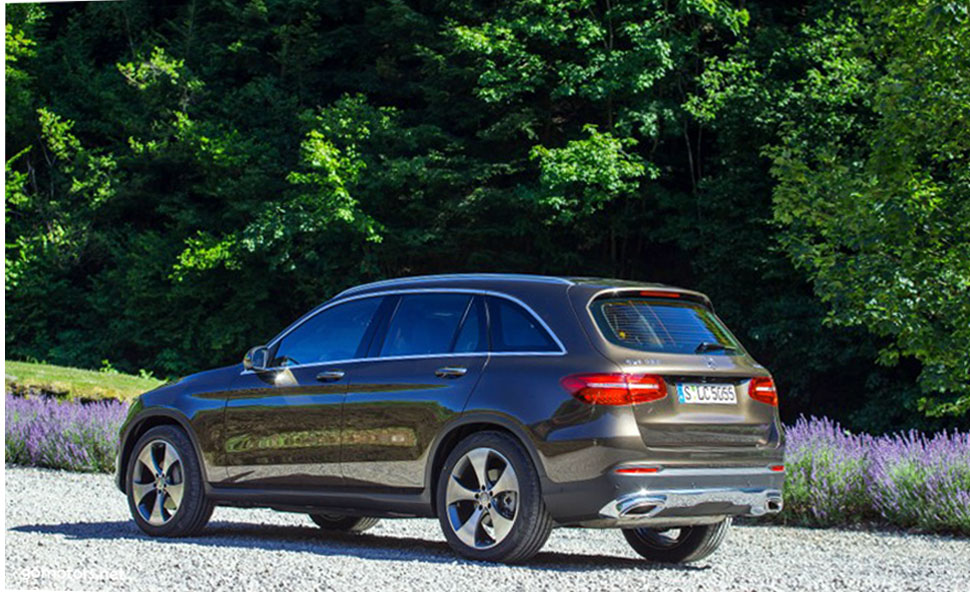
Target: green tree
(879,215)
(188,178)
(803,80)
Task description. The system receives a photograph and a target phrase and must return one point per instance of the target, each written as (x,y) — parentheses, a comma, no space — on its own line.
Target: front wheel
(342,523)
(677,545)
(164,483)
(489,500)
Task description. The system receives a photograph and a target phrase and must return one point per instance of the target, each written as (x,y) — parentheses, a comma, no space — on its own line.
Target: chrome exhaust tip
(635,507)
(642,510)
(775,504)
(643,505)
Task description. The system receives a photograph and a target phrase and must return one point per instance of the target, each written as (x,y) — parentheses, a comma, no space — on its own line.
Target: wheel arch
(466,426)
(147,420)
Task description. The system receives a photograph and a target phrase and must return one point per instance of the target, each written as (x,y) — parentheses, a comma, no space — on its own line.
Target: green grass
(74,383)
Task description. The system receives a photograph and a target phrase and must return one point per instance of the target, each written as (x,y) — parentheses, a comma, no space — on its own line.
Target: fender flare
(127,443)
(508,423)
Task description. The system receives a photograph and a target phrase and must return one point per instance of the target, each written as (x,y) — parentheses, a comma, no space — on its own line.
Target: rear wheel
(489,500)
(342,523)
(165,486)
(677,545)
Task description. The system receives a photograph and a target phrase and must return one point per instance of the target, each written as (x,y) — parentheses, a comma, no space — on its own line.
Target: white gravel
(70,531)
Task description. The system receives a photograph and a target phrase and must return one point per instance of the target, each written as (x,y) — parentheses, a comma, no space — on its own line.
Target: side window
(473,336)
(333,334)
(515,329)
(424,324)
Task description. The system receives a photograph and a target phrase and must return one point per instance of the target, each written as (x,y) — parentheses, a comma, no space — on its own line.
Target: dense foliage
(182,181)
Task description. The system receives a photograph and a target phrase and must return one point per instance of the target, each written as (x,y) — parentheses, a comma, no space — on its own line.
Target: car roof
(499,281)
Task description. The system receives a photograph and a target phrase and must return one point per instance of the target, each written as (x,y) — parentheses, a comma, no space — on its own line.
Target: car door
(430,353)
(282,425)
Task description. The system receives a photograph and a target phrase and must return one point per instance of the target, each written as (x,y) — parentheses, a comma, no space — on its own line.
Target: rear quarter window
(514,329)
(663,325)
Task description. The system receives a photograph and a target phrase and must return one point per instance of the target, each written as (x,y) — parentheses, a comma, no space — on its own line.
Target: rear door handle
(330,375)
(450,372)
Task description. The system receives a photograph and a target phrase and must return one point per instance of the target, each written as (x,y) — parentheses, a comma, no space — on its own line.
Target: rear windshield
(663,325)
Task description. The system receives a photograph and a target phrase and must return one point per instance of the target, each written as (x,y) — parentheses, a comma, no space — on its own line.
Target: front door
(282,425)
(429,356)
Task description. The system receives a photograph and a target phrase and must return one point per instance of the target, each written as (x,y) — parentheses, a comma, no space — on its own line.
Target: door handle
(450,372)
(330,375)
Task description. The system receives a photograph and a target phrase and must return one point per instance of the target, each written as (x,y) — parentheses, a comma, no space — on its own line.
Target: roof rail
(522,277)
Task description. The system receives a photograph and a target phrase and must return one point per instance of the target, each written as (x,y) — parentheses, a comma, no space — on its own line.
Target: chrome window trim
(470,291)
(411,357)
(459,276)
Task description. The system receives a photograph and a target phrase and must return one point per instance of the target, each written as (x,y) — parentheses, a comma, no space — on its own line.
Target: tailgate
(707,412)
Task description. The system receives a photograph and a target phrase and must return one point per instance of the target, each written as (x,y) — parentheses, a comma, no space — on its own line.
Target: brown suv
(503,405)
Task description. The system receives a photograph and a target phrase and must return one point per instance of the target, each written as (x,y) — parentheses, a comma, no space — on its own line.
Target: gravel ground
(71,531)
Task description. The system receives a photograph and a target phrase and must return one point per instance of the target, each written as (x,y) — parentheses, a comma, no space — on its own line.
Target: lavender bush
(910,480)
(826,480)
(44,432)
(922,482)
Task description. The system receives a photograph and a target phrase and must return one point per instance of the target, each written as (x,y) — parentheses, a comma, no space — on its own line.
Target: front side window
(513,329)
(333,334)
(425,324)
(663,325)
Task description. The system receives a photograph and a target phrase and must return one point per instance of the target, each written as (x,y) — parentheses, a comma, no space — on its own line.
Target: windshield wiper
(706,346)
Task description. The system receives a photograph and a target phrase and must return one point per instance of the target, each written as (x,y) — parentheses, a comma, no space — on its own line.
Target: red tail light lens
(762,388)
(659,294)
(777,468)
(637,470)
(615,389)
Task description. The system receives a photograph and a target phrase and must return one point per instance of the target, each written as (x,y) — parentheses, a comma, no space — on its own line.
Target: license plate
(716,394)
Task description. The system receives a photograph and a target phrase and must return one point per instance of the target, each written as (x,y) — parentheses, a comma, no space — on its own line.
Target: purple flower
(911,480)
(922,481)
(826,474)
(63,435)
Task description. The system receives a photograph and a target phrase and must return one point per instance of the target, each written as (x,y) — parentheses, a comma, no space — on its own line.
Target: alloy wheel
(482,498)
(158,482)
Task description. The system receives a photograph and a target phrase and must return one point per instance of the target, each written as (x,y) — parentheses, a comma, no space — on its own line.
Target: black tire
(194,509)
(692,543)
(531,522)
(342,523)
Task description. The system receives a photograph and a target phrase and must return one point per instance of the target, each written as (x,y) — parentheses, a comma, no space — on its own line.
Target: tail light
(615,389)
(762,388)
(637,470)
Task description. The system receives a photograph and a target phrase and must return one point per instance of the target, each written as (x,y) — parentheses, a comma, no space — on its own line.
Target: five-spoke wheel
(164,484)
(158,482)
(489,502)
(482,497)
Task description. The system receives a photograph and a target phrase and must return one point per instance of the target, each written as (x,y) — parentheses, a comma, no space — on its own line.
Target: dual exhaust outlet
(644,505)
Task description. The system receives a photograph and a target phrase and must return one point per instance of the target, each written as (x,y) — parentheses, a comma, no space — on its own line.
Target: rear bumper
(671,497)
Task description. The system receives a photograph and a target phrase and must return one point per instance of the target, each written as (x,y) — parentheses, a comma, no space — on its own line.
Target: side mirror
(256,358)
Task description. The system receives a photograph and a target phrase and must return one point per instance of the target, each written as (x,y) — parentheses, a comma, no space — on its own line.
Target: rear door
(282,426)
(426,360)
